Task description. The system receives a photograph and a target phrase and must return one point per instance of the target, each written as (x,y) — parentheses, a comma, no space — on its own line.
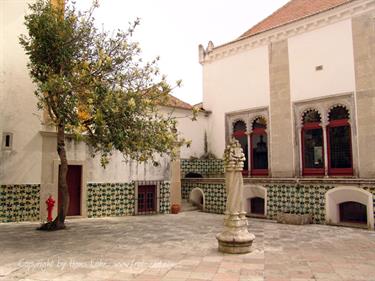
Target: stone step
(188,207)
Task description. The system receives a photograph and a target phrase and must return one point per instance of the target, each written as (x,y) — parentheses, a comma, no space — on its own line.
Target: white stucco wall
(233,83)
(330,47)
(192,131)
(120,171)
(18,105)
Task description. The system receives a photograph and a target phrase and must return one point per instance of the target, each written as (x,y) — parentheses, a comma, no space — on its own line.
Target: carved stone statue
(235,239)
(233,160)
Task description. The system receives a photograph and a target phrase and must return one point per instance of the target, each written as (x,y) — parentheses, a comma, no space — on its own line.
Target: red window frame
(241,134)
(339,171)
(257,172)
(311,171)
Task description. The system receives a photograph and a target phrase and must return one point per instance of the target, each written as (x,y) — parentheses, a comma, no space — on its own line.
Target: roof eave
(275,27)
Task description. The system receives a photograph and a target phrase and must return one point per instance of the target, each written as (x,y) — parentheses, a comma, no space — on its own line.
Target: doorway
(74,181)
(146,199)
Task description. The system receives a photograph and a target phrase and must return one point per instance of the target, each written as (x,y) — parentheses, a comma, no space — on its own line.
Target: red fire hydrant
(50,203)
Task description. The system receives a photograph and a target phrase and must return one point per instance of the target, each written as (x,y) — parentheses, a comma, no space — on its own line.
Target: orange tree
(93,84)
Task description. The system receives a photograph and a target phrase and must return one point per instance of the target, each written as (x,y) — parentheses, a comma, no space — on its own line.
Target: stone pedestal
(235,239)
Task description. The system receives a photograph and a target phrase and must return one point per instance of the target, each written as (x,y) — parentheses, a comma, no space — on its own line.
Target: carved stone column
(235,239)
(175,196)
(300,151)
(324,125)
(249,159)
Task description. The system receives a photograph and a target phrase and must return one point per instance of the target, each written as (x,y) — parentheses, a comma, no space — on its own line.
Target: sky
(173,29)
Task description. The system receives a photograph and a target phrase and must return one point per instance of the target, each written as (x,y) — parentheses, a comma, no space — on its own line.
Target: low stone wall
(19,202)
(206,168)
(283,196)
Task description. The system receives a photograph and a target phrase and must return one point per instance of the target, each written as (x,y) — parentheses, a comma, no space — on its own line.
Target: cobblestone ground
(183,247)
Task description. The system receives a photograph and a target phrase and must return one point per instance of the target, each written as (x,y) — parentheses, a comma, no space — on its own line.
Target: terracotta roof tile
(292,11)
(175,102)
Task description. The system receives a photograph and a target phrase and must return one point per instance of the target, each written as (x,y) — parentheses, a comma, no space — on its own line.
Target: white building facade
(298,91)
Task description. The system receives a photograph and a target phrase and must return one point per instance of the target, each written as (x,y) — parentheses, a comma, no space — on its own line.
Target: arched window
(259,148)
(312,144)
(339,142)
(239,133)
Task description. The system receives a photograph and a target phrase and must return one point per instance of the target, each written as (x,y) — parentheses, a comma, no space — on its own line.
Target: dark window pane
(338,113)
(260,158)
(243,141)
(239,126)
(244,145)
(141,202)
(340,147)
(7,140)
(150,201)
(313,148)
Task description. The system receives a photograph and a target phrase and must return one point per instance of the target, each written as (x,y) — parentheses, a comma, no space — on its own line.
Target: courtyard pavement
(183,247)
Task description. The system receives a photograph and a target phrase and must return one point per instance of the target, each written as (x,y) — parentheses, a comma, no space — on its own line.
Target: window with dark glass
(339,142)
(7,140)
(259,147)
(239,133)
(312,144)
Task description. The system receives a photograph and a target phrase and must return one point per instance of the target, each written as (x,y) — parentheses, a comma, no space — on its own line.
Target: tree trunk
(59,222)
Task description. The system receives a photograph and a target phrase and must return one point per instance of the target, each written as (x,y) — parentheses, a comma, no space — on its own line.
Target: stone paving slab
(183,248)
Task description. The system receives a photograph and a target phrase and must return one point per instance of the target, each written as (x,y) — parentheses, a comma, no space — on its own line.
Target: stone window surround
(252,191)
(248,117)
(323,106)
(194,195)
(343,194)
